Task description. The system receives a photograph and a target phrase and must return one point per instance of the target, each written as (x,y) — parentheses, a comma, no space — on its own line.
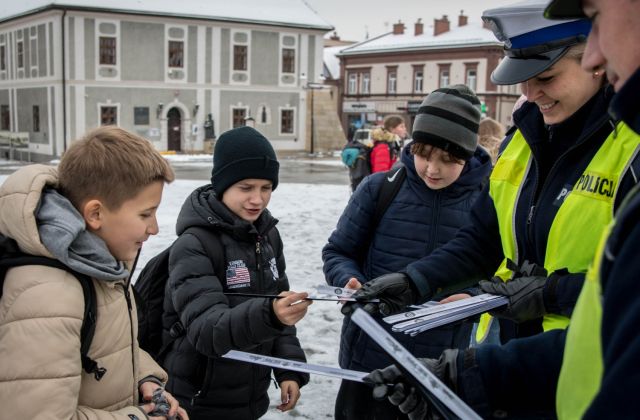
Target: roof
(290,13)
(472,34)
(332,62)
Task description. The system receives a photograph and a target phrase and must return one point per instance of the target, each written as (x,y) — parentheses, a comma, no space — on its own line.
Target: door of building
(174,124)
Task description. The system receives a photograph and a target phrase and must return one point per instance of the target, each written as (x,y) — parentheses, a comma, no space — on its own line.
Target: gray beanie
(242,153)
(448,118)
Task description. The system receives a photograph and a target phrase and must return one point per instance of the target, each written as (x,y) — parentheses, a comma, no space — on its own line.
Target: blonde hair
(112,165)
(490,135)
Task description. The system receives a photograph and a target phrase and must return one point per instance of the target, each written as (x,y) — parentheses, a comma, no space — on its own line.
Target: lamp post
(312,86)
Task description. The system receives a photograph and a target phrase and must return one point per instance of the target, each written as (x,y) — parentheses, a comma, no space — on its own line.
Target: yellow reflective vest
(583,215)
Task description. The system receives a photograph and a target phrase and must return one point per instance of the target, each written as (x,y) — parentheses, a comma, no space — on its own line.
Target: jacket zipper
(127,296)
(536,197)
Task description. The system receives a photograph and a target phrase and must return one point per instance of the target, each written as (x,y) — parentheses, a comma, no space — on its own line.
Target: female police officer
(564,169)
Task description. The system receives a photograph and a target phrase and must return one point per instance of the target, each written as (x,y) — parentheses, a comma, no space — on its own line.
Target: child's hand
(353,283)
(175,411)
(291,308)
(290,394)
(453,298)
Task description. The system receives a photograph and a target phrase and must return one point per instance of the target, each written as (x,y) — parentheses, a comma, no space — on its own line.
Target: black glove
(394,291)
(390,382)
(526,297)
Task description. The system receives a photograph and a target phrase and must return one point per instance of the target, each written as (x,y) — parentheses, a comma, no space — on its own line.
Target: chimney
(462,19)
(419,27)
(440,26)
(398,28)
(335,36)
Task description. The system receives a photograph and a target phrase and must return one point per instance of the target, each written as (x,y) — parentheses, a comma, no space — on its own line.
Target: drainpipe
(64,86)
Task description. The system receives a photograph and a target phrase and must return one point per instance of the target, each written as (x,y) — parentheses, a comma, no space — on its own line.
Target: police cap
(532,43)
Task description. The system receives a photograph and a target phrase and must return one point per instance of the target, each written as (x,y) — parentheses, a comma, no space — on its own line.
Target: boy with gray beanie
(231,211)
(445,171)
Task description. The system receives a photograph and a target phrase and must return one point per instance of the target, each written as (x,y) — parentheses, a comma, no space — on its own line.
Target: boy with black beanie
(232,210)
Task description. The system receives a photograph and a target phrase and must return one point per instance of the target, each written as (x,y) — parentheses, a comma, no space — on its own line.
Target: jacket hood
(475,172)
(203,208)
(625,106)
(44,223)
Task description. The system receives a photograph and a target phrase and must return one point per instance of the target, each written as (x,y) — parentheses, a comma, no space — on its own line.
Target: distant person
(490,135)
(432,202)
(90,216)
(201,321)
(387,142)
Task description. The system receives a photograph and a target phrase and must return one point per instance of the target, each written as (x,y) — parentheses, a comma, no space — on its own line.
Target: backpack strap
(13,257)
(388,190)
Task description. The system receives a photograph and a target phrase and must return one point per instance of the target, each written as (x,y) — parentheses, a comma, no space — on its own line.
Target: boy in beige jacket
(92,215)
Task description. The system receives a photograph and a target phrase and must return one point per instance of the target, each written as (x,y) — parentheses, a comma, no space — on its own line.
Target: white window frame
(418,81)
(365,83)
(352,83)
(246,72)
(185,53)
(96,44)
(444,78)
(296,61)
(392,82)
(295,128)
(239,106)
(472,80)
(108,104)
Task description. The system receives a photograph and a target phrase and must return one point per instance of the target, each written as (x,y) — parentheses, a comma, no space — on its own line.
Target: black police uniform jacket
(214,323)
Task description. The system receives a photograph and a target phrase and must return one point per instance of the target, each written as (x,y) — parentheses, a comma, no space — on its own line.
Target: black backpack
(11,256)
(149,289)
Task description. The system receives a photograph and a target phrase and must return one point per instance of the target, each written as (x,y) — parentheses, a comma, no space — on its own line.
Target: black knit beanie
(242,153)
(448,118)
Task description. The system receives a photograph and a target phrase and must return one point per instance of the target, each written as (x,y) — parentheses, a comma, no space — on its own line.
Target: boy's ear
(92,213)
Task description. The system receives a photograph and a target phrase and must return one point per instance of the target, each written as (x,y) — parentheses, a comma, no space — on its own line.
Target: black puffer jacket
(207,385)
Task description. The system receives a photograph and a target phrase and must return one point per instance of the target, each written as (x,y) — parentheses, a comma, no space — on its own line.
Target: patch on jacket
(274,269)
(238,274)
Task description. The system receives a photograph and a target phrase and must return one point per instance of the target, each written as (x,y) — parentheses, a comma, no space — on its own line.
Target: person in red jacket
(384,153)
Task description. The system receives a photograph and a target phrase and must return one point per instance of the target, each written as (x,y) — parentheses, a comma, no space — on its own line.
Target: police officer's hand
(390,383)
(526,297)
(394,290)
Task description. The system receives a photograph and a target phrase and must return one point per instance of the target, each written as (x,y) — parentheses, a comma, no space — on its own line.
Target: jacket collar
(625,105)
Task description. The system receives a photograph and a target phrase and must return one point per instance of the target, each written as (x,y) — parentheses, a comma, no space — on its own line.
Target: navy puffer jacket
(418,221)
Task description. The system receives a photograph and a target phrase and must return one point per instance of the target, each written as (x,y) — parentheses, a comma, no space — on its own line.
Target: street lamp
(312,86)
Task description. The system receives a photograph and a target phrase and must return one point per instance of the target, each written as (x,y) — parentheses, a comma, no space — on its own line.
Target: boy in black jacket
(232,208)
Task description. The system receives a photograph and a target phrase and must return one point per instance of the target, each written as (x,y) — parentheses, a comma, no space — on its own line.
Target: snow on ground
(307,213)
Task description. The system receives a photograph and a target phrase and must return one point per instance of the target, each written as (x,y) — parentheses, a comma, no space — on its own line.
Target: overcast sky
(354,18)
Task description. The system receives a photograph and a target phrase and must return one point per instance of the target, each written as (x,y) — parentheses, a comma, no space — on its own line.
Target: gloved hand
(390,382)
(526,297)
(394,291)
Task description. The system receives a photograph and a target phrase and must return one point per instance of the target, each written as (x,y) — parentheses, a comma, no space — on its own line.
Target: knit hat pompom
(448,118)
(242,153)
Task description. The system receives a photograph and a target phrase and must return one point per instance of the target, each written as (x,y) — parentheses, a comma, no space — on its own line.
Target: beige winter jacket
(41,311)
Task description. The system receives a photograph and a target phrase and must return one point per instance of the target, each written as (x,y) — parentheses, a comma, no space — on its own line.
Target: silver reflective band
(276,362)
(439,391)
(432,314)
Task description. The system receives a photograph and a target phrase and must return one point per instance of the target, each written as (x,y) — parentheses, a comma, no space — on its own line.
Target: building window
(3,60)
(5,118)
(20,54)
(238,115)
(36,119)
(108,115)
(176,54)
(444,75)
(239,57)
(352,88)
(418,81)
(365,83)
(141,115)
(472,79)
(108,50)
(286,121)
(392,81)
(288,60)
